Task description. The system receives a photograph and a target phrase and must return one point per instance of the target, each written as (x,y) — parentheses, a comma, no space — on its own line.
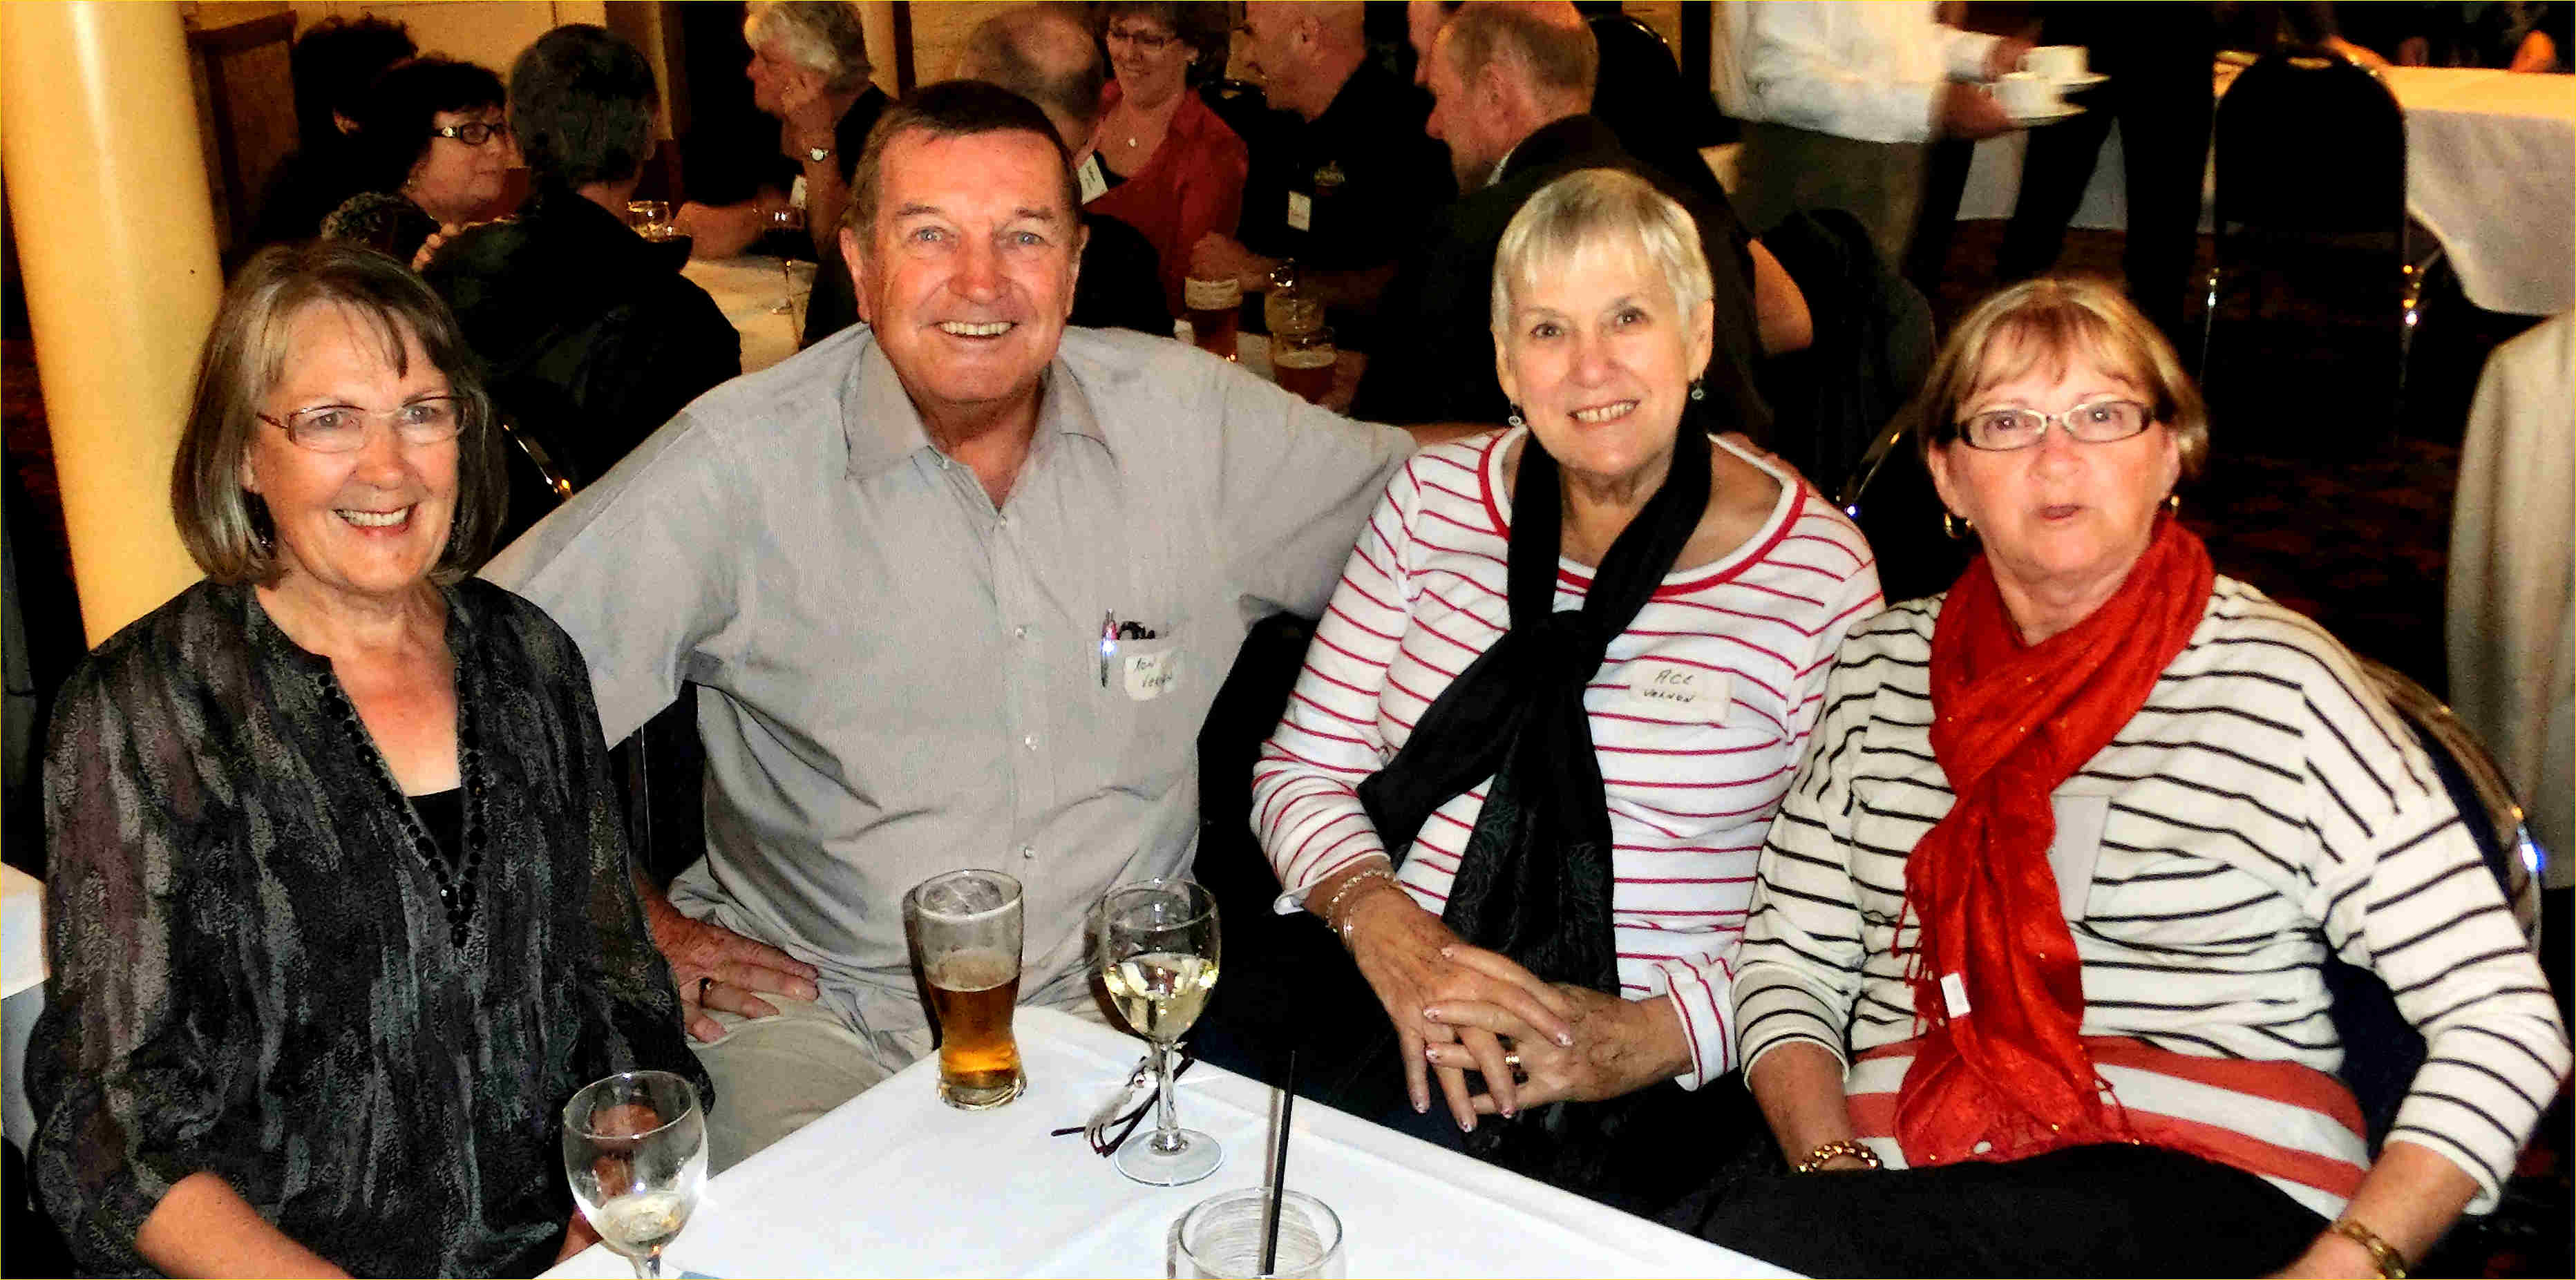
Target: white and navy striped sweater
(1699,715)
(2264,806)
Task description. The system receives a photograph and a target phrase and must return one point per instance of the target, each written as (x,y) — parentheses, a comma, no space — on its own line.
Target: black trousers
(2158,57)
(2113,1210)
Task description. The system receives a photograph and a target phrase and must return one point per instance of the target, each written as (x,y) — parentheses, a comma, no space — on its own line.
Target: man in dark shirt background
(591,336)
(1511,89)
(1343,178)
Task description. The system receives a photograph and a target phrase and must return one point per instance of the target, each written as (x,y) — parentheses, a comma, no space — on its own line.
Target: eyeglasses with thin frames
(342,428)
(472,133)
(2093,422)
(1112,1133)
(1143,40)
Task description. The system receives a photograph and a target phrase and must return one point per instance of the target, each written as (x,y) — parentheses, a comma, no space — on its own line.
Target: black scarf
(1535,881)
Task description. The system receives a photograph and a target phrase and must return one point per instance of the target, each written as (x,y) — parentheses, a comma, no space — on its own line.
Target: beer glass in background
(966,927)
(1303,362)
(1215,316)
(1222,1236)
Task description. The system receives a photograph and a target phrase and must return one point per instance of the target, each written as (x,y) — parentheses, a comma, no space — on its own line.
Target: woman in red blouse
(1174,171)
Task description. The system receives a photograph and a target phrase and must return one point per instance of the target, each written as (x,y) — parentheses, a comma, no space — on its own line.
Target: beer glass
(1215,308)
(1303,362)
(635,1151)
(966,932)
(1222,1237)
(1155,942)
(650,218)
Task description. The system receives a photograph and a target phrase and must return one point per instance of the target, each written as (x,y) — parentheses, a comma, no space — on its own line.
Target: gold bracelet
(2391,1263)
(1334,902)
(1852,1147)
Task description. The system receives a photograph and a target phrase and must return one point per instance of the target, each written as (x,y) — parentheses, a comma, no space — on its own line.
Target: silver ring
(1513,1059)
(705,982)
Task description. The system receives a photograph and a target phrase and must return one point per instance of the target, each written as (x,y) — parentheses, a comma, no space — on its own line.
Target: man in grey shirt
(889,562)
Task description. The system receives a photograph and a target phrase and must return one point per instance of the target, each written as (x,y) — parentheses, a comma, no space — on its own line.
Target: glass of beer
(1155,943)
(965,927)
(1303,362)
(1216,314)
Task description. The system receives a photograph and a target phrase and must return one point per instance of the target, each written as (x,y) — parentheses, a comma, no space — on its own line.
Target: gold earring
(2173,504)
(1956,527)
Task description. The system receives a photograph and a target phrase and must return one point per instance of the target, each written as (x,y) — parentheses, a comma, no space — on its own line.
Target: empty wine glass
(1155,943)
(635,1151)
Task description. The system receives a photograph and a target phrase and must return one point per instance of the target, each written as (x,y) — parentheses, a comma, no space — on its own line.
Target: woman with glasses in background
(339,912)
(1161,161)
(434,150)
(2033,982)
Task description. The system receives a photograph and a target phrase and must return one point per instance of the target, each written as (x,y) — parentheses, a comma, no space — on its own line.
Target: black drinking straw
(1279,1169)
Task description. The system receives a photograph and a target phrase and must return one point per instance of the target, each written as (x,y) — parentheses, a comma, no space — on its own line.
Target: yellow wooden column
(116,245)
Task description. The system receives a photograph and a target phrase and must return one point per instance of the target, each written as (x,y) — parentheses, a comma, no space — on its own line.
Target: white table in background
(2490,171)
(22,992)
(895,1184)
(749,290)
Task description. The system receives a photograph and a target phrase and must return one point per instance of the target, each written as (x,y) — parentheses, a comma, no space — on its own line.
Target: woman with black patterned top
(339,915)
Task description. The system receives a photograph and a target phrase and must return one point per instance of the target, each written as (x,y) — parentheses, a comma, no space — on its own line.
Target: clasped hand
(1618,1046)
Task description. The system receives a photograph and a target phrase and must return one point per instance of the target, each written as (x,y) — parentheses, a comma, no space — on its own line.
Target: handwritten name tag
(1674,688)
(1149,672)
(1094,183)
(1301,211)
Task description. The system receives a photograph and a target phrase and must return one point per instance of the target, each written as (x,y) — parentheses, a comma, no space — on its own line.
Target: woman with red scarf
(2033,982)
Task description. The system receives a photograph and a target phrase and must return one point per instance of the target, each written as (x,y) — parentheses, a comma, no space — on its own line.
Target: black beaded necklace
(458,887)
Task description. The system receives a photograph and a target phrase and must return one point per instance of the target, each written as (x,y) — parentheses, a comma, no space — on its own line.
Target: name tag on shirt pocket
(2080,820)
(1147,669)
(1679,690)
(1301,211)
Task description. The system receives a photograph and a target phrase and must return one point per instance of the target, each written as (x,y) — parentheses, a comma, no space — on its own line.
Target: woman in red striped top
(1529,763)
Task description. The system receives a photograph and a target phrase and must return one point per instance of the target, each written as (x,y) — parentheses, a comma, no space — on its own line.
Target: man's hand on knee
(720,969)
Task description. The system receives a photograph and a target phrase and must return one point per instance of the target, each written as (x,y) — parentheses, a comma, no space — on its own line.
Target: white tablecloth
(2490,170)
(2512,617)
(22,993)
(748,290)
(896,1184)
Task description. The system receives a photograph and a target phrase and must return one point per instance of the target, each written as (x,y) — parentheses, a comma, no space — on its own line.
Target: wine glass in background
(635,1150)
(650,218)
(1155,943)
(784,217)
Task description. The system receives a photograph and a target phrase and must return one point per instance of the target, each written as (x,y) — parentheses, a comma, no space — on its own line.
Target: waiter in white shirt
(1838,101)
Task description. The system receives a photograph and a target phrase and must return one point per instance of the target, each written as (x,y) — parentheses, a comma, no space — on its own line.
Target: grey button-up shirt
(906,680)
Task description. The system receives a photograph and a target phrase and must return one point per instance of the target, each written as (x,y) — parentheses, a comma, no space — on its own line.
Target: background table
(2490,171)
(22,993)
(896,1184)
(749,290)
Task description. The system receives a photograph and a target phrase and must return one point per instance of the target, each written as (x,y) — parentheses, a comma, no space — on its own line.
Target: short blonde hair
(2051,321)
(227,531)
(1591,211)
(822,36)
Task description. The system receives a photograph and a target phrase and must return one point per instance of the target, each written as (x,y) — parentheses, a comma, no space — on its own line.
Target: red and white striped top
(1700,713)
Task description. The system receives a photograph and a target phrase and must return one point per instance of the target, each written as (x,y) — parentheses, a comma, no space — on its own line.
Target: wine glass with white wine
(1156,945)
(635,1150)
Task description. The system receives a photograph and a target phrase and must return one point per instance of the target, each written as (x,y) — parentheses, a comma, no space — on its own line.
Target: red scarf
(2010,1073)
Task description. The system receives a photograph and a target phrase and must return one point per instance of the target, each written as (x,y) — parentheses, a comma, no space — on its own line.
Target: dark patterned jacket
(253,973)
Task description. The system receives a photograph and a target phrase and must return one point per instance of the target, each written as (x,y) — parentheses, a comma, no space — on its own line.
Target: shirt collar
(883,428)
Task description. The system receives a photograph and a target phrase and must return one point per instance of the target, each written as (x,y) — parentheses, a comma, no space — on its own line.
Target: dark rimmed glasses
(473,133)
(342,428)
(2093,422)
